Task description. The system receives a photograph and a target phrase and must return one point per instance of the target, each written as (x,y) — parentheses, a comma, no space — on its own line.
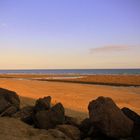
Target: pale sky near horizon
(69,34)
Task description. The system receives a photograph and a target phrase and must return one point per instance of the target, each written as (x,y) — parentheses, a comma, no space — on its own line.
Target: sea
(73,71)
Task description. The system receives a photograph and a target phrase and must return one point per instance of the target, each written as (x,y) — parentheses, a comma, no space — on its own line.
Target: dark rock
(85,126)
(42,119)
(103,137)
(72,121)
(47,119)
(7,99)
(93,132)
(4,104)
(59,112)
(136,118)
(88,138)
(136,131)
(87,129)
(43,104)
(109,119)
(9,111)
(70,130)
(25,114)
(13,98)
(131,114)
(130,138)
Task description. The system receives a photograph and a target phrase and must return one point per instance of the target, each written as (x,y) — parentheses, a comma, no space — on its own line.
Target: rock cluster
(46,122)
(46,119)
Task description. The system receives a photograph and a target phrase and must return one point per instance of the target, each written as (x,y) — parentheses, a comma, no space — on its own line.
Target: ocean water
(72,71)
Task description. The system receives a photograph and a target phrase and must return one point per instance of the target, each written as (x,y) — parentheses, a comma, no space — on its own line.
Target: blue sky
(69,34)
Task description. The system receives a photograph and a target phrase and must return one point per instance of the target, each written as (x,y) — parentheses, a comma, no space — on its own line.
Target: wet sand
(75,97)
(116,80)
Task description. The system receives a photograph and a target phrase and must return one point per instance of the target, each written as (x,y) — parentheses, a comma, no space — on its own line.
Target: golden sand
(75,97)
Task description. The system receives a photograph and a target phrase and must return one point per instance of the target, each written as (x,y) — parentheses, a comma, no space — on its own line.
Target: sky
(69,34)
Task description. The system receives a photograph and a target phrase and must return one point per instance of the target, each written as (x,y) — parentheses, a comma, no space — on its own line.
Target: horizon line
(70,68)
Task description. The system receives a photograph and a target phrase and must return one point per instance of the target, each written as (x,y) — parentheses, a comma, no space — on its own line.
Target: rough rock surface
(136,118)
(25,114)
(7,99)
(70,130)
(23,131)
(85,125)
(43,104)
(87,129)
(47,119)
(131,114)
(4,104)
(72,121)
(110,120)
(9,111)
(106,121)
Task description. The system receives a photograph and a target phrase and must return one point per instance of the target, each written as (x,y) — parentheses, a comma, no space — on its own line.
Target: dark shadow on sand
(91,83)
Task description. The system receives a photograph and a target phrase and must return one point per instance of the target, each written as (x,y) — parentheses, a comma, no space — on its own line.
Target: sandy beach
(112,79)
(74,96)
(70,70)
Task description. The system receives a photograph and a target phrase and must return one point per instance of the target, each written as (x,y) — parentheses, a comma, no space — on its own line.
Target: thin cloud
(111,48)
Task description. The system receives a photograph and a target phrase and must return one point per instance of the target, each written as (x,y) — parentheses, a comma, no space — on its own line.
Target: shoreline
(106,79)
(90,83)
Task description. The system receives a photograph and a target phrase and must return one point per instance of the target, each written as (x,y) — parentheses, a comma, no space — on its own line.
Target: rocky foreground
(46,122)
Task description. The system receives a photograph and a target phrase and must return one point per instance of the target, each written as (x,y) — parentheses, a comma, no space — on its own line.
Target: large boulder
(9,102)
(14,129)
(109,119)
(43,104)
(70,130)
(47,119)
